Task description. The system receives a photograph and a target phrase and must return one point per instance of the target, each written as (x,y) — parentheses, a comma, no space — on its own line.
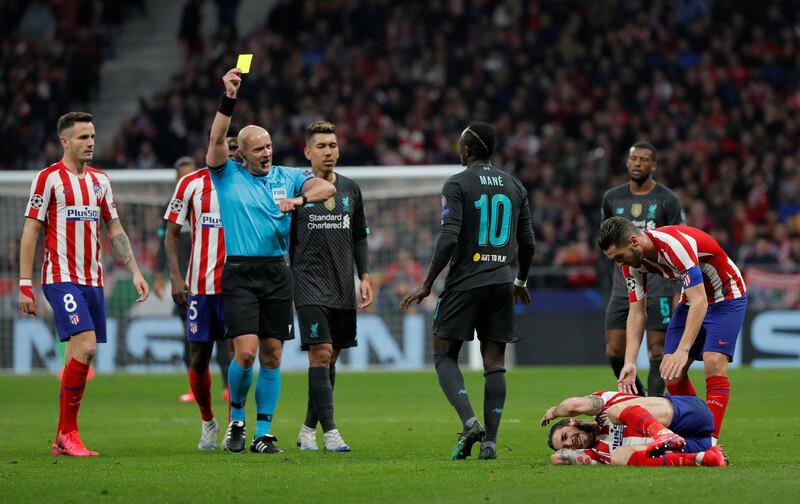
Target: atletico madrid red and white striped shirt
(612,436)
(71,208)
(195,200)
(681,248)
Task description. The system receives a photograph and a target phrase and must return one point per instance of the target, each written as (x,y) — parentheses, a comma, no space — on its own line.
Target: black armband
(226,105)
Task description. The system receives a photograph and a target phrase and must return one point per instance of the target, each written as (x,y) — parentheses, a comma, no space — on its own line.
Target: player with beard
(708,317)
(68,199)
(327,241)
(648,205)
(631,430)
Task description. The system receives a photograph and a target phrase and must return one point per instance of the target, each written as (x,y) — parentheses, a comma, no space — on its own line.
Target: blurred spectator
(50,57)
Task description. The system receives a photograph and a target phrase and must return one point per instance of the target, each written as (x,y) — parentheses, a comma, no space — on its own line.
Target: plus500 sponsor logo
(83,213)
(210,220)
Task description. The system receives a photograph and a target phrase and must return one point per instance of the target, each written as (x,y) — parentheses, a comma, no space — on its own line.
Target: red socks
(682,387)
(641,421)
(73,384)
(640,458)
(200,382)
(718,393)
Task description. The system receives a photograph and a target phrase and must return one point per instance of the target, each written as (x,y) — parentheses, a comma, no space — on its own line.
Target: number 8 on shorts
(76,309)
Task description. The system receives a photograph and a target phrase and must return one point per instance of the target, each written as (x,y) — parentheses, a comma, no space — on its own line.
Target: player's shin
(73,386)
(452,383)
(200,383)
(718,393)
(640,458)
(239,381)
(268,391)
(320,394)
(641,420)
(655,384)
(494,398)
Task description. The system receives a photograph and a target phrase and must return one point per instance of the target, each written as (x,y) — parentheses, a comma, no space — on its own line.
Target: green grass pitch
(401,429)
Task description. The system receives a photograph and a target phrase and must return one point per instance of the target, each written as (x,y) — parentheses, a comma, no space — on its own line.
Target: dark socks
(655,384)
(452,383)
(320,394)
(311,415)
(494,398)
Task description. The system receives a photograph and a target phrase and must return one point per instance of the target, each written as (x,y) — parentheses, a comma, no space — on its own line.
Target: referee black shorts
(487,310)
(257,296)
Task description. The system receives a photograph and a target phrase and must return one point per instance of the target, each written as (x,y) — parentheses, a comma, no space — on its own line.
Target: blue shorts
(719,332)
(205,319)
(693,421)
(77,308)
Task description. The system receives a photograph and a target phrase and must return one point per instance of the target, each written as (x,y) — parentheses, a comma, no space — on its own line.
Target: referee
(327,240)
(255,200)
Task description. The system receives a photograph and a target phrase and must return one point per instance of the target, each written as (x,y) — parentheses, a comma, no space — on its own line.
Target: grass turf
(402,431)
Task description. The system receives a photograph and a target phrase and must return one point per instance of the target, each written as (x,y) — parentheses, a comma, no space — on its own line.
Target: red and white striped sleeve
(41,191)
(108,207)
(635,282)
(181,200)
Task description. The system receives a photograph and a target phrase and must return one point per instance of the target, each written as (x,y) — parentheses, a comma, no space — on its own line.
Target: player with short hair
(485,215)
(327,240)
(708,318)
(68,200)
(630,430)
(183,248)
(648,205)
(256,200)
(200,294)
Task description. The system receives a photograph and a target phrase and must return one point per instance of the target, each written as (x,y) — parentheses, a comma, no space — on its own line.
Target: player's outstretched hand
(672,365)
(366,293)
(289,204)
(417,295)
(179,291)
(232,81)
(627,379)
(141,287)
(522,294)
(549,416)
(27,301)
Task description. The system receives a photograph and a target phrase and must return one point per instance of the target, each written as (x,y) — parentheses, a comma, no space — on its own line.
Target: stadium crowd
(51,53)
(568,85)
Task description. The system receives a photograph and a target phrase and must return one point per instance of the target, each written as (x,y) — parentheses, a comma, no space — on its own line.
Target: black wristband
(305,200)
(226,105)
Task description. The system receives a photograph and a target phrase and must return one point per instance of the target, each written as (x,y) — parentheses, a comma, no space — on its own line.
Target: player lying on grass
(630,430)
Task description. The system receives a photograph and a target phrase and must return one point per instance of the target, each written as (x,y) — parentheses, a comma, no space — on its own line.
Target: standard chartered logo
(328,221)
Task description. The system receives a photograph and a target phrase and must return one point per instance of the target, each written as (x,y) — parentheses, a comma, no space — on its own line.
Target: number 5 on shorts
(193,310)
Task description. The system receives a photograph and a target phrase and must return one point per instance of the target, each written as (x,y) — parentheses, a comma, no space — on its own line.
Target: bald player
(256,200)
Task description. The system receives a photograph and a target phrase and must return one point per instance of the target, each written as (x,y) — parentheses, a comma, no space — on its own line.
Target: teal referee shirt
(249,206)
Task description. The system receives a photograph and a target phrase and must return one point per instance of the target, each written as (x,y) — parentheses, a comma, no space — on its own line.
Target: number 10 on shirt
(489,233)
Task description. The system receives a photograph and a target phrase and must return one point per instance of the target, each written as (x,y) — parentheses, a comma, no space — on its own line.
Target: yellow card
(243,63)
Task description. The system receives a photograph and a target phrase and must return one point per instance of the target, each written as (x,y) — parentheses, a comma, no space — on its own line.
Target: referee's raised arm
(217,147)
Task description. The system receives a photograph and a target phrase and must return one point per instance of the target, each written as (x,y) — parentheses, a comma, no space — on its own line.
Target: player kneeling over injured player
(631,430)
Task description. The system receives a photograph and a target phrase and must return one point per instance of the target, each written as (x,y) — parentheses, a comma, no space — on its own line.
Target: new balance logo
(498,411)
(463,391)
